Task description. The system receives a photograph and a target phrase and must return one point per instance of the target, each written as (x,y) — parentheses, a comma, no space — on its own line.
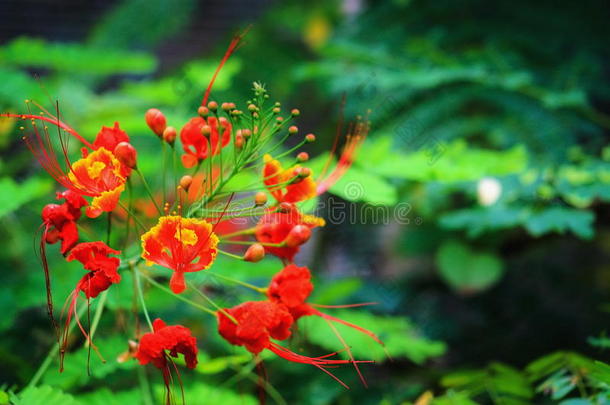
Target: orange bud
(285,207)
(203,111)
(246,133)
(227,106)
(206,130)
(293,129)
(213,105)
(255,253)
(126,154)
(303,157)
(297,236)
(310,138)
(156,121)
(260,198)
(169,135)
(239,141)
(304,172)
(295,112)
(185,181)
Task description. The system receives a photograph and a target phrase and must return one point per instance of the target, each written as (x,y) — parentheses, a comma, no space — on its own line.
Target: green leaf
(561,219)
(74,58)
(466,270)
(14,195)
(358,185)
(44,395)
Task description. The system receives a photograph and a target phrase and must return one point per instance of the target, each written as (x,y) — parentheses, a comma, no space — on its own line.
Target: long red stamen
(235,42)
(56,122)
(351,325)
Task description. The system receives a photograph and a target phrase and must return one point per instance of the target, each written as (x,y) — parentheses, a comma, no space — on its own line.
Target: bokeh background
(477,210)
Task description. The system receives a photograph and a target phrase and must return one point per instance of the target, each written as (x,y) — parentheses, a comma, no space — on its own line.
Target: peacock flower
(288,185)
(254,324)
(109,138)
(285,227)
(182,244)
(164,342)
(155,347)
(98,175)
(202,137)
(291,287)
(102,268)
(102,273)
(59,220)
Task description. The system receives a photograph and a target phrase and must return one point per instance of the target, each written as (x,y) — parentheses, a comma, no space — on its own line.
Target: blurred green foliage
(457,92)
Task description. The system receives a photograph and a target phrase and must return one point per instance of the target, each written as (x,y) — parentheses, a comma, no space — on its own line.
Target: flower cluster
(189,218)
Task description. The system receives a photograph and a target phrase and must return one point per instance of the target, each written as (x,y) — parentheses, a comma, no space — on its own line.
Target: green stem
(180,297)
(152,197)
(97,316)
(136,274)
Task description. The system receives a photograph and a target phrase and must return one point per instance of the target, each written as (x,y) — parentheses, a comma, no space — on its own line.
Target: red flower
(102,273)
(174,339)
(257,323)
(198,146)
(181,244)
(108,138)
(96,175)
(254,323)
(165,341)
(102,268)
(59,220)
(287,185)
(292,286)
(275,227)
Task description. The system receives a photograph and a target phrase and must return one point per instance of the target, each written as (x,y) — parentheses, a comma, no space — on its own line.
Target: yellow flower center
(95,169)
(186,236)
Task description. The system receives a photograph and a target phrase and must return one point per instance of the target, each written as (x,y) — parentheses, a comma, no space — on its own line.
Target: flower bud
(206,130)
(310,138)
(213,105)
(304,172)
(227,106)
(203,111)
(276,110)
(279,120)
(246,133)
(156,121)
(255,253)
(285,207)
(252,108)
(293,129)
(126,154)
(303,157)
(52,236)
(295,112)
(260,199)
(169,135)
(297,236)
(239,141)
(185,181)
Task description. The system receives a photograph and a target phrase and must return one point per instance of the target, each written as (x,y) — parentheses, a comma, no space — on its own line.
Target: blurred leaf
(74,58)
(561,219)
(15,195)
(43,395)
(466,270)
